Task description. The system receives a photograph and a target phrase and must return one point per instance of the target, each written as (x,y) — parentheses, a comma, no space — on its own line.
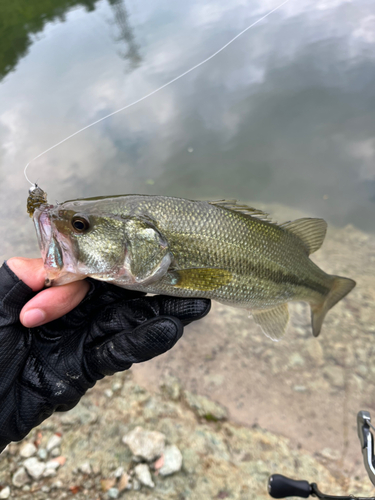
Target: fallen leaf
(122,484)
(108,483)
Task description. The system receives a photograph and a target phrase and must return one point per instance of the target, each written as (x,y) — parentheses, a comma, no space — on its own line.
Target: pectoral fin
(202,280)
(272,321)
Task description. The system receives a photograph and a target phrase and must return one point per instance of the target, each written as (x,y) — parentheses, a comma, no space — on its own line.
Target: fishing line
(156,90)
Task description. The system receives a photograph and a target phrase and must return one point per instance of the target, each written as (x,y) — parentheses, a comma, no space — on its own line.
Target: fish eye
(80,224)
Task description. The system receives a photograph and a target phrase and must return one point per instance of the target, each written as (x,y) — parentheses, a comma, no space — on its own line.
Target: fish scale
(219,250)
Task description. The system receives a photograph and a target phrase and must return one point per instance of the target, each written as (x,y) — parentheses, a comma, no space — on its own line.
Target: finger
(53,303)
(30,271)
(148,340)
(186,310)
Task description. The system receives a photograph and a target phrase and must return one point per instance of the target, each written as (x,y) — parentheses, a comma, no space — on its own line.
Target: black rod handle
(282,487)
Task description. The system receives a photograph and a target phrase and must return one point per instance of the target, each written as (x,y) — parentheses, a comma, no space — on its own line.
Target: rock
(362,370)
(53,442)
(109,394)
(296,359)
(335,375)
(118,472)
(34,467)
(51,468)
(204,407)
(45,488)
(57,485)
(171,387)
(331,454)
(299,388)
(28,450)
(143,474)
(85,468)
(79,415)
(172,461)
(49,473)
(116,386)
(147,445)
(56,452)
(5,492)
(42,453)
(136,484)
(20,478)
(113,493)
(315,351)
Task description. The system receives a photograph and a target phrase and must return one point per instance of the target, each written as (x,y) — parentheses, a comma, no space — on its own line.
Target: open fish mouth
(56,250)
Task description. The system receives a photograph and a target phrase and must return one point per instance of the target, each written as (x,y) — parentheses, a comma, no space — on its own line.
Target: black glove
(50,367)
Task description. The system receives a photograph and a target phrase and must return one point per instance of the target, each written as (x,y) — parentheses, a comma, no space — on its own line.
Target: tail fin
(340,287)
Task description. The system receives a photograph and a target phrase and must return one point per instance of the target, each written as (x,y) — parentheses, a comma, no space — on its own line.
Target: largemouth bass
(219,250)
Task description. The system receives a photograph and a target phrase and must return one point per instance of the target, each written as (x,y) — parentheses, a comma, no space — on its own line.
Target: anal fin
(272,321)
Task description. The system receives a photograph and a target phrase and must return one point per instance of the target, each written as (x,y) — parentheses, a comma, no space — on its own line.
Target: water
(285,118)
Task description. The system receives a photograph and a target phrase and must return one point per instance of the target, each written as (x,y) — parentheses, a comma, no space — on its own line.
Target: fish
(221,250)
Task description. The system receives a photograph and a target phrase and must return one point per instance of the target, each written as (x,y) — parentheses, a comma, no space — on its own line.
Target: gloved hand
(48,368)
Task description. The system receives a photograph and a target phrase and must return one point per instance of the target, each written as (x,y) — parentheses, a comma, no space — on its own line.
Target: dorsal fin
(241,208)
(310,231)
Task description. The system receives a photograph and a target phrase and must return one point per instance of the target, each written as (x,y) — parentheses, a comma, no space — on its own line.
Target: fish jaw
(58,259)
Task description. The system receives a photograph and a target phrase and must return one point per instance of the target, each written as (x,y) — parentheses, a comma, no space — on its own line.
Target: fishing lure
(37,197)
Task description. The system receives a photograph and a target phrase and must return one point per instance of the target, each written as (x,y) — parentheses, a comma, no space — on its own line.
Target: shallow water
(285,115)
